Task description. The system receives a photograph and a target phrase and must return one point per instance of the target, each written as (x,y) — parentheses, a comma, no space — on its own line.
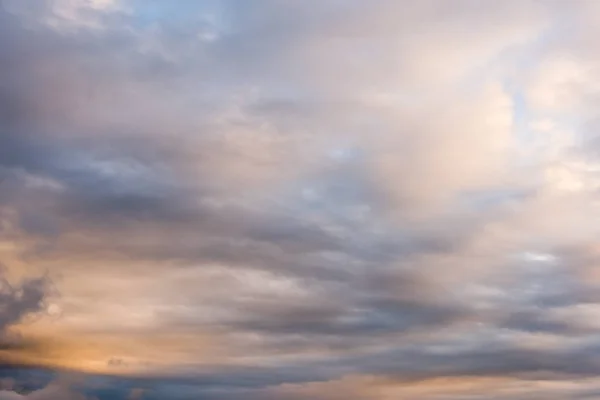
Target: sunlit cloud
(299,199)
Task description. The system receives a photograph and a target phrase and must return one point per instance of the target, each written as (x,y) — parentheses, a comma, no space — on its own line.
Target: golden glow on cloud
(301,199)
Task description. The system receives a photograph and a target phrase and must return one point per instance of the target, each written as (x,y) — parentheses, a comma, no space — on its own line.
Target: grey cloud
(134,180)
(18,302)
(155,193)
(21,300)
(51,392)
(131,165)
(536,320)
(407,364)
(373,304)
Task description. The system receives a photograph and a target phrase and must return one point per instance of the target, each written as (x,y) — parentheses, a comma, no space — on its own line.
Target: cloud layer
(302,199)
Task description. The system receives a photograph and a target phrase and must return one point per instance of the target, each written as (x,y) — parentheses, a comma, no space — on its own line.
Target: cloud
(307,199)
(54,391)
(17,302)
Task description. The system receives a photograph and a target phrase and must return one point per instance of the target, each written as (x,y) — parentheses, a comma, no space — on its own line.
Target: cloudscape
(299,199)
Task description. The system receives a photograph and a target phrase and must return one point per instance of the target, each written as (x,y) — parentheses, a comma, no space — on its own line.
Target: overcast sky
(299,199)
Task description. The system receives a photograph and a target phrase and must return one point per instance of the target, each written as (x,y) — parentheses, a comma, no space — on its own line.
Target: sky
(299,199)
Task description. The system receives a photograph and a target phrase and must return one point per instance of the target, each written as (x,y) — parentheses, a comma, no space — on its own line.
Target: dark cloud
(373,304)
(19,301)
